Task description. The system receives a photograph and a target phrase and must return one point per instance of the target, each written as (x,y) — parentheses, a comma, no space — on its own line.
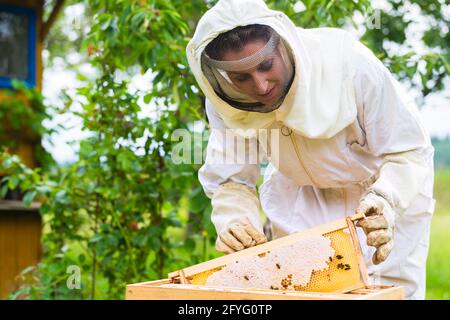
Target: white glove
(378,225)
(238,236)
(235,216)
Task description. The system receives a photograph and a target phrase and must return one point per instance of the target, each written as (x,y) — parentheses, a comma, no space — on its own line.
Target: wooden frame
(158,290)
(178,286)
(284,241)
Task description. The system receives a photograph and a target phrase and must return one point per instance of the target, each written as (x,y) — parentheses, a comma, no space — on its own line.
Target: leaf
(13,182)
(189,245)
(3,191)
(159,76)
(155,243)
(176,95)
(97,237)
(148,98)
(61,197)
(136,21)
(445,58)
(198,201)
(43,189)
(28,198)
(140,240)
(175,222)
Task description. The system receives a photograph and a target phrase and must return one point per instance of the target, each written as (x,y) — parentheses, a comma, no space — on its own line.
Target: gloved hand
(238,236)
(378,225)
(235,216)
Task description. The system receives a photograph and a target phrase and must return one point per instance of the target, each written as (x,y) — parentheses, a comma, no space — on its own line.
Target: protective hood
(320,101)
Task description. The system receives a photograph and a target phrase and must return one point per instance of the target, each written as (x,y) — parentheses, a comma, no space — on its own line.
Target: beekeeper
(343,138)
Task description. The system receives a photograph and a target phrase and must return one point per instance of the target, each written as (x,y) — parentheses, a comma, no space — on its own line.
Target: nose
(261,84)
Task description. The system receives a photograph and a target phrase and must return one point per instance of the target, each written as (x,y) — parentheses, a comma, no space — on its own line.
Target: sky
(435,111)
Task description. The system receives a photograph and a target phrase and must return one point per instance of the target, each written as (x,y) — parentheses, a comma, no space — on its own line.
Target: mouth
(269,94)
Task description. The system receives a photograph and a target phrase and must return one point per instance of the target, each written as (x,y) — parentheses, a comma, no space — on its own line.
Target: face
(266,82)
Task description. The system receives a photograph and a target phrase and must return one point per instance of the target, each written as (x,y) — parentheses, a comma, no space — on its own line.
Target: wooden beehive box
(333,282)
(167,290)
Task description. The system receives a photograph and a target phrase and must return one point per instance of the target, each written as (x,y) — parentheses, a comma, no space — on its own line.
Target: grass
(442,191)
(438,264)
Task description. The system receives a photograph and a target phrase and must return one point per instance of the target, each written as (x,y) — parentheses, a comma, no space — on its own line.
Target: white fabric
(225,212)
(384,150)
(320,62)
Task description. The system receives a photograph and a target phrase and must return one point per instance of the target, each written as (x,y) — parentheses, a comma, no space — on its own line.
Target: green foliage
(441,152)
(114,212)
(384,27)
(438,274)
(321,13)
(22,113)
(438,271)
(17,176)
(431,66)
(66,34)
(442,190)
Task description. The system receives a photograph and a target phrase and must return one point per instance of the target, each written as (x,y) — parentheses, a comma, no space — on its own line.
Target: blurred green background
(438,265)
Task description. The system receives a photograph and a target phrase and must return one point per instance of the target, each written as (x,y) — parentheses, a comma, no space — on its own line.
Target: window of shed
(17,56)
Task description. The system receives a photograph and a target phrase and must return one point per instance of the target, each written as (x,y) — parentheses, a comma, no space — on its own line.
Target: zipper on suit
(294,143)
(344,195)
(308,173)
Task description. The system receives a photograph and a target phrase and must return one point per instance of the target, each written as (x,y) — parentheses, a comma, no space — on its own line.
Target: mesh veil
(216,73)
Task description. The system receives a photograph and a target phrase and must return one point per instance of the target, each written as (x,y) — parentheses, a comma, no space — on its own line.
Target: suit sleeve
(393,131)
(229,174)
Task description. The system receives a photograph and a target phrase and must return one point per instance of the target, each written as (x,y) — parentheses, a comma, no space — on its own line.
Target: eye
(241,77)
(266,65)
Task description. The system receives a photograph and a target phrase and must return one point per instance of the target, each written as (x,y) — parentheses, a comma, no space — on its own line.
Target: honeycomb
(343,271)
(341,275)
(200,278)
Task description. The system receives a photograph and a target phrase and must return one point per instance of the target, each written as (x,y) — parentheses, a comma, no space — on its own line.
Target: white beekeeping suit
(346,129)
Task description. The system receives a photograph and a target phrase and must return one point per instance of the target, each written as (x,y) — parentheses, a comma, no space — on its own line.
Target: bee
(278,266)
(339,257)
(340,266)
(246,278)
(286,283)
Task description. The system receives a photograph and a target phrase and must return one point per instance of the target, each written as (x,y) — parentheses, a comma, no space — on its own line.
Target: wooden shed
(22,34)
(20,238)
